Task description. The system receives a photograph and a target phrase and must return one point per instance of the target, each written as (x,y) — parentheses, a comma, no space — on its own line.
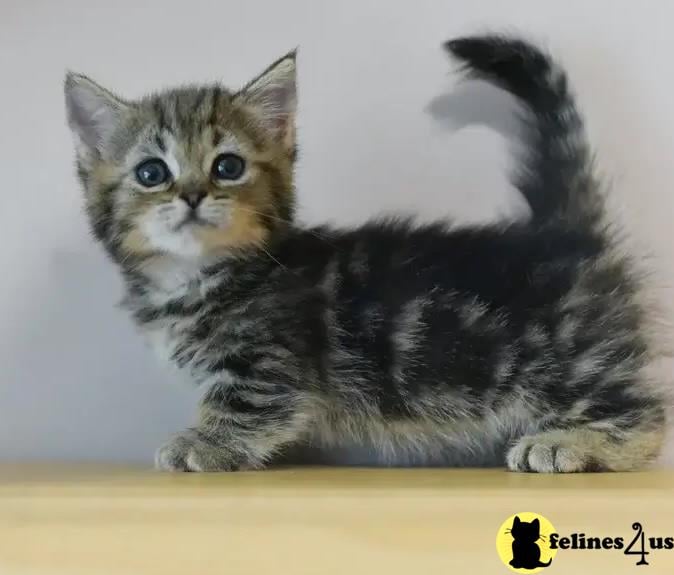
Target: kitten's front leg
(241,427)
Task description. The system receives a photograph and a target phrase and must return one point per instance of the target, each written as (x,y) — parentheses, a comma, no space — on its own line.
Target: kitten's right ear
(93,112)
(517,520)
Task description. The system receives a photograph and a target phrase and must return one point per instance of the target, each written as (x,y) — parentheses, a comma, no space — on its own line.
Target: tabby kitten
(520,344)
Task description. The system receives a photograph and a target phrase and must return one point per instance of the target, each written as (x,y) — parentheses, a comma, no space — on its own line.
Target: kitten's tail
(557,178)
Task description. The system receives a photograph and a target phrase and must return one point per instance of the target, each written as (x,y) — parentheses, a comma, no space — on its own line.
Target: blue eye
(228,167)
(151,173)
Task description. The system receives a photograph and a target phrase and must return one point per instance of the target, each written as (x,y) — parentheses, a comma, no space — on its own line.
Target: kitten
(526,552)
(520,344)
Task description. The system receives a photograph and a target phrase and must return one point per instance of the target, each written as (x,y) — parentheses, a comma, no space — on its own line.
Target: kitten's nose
(192,198)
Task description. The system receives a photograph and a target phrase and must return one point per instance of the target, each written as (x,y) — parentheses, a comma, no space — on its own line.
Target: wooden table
(93,520)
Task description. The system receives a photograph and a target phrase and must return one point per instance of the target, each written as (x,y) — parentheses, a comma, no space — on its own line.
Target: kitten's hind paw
(541,454)
(583,449)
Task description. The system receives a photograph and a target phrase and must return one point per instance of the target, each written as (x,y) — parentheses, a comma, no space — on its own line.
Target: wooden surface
(89,520)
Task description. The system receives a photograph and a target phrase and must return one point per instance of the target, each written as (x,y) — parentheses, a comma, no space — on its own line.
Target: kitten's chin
(192,222)
(184,244)
(179,240)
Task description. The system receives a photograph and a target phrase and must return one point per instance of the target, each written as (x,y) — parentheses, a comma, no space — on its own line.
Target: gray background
(379,126)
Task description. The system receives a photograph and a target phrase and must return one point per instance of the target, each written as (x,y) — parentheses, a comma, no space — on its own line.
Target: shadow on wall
(477,103)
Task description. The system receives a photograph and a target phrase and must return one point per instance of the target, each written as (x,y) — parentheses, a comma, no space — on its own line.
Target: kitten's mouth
(192,219)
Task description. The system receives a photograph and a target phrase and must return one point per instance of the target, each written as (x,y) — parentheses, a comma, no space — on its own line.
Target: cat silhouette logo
(522,543)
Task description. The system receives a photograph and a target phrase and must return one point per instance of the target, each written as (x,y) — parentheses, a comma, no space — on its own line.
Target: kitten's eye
(228,167)
(152,173)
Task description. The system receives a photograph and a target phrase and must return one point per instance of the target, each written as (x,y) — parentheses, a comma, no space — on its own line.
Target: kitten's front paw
(547,454)
(192,451)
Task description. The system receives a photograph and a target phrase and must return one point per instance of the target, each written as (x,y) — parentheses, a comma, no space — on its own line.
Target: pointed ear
(93,112)
(516,521)
(536,522)
(273,96)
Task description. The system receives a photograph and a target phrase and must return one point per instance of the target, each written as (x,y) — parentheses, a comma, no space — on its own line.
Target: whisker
(274,259)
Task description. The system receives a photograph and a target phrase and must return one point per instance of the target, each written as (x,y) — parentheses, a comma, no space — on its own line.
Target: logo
(523,543)
(527,543)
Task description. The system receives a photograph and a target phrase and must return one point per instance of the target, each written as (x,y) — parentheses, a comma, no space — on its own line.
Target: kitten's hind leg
(600,446)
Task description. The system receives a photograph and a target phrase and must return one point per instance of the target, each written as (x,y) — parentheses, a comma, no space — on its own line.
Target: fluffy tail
(557,178)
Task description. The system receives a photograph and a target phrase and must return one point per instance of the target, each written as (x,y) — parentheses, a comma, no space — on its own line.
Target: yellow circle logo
(523,543)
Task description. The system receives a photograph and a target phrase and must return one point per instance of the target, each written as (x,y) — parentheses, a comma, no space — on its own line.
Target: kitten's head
(526,531)
(193,172)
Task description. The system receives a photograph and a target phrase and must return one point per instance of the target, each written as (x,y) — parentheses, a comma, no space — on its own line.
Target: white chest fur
(169,281)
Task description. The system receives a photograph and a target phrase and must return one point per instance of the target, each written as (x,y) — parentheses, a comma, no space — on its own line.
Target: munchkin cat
(521,344)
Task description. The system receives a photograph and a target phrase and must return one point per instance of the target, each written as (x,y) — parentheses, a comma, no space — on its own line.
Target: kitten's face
(193,172)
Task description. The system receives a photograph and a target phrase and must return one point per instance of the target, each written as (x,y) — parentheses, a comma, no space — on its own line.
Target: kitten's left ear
(273,96)
(93,112)
(536,522)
